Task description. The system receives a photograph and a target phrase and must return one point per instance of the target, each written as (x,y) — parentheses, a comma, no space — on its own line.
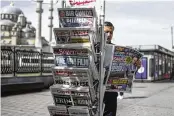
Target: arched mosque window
(3,27)
(14,17)
(6,16)
(2,16)
(7,28)
(11,16)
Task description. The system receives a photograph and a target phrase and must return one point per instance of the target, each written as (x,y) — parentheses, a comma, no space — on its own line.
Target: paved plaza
(147,99)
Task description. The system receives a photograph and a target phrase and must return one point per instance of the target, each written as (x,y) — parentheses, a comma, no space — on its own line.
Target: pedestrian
(172,73)
(110,98)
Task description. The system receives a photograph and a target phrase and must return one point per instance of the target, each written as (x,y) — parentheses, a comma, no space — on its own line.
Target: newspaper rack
(83,68)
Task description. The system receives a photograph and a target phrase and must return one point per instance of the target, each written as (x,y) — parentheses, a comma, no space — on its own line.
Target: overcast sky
(136,23)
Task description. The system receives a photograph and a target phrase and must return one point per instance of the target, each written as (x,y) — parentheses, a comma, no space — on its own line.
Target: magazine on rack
(59,110)
(121,70)
(79,111)
(77,17)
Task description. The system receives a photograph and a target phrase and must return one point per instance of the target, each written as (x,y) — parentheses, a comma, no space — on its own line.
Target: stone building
(16,29)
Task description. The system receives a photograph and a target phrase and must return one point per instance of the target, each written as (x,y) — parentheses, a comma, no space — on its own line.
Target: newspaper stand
(82,72)
(75,72)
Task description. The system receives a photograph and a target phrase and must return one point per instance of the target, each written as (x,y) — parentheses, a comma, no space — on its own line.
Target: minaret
(51,24)
(39,10)
(51,20)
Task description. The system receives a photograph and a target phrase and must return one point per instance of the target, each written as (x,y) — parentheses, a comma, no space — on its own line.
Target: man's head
(109,28)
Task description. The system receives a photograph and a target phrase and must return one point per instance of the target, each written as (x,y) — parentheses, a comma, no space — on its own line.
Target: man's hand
(137,62)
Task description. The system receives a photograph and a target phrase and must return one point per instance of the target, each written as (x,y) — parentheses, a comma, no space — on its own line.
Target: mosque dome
(11,10)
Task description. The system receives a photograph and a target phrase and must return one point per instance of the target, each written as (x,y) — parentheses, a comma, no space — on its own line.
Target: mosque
(16,29)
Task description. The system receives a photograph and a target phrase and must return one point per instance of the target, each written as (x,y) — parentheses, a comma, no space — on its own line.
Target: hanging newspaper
(77,17)
(79,38)
(75,58)
(122,69)
(78,96)
(74,78)
(69,35)
(59,110)
(79,111)
(71,57)
(84,4)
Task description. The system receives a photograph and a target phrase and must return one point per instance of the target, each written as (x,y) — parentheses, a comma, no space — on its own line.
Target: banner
(142,71)
(81,3)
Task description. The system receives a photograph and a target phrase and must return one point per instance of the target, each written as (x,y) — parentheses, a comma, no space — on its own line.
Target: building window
(11,16)
(14,18)
(2,34)
(6,16)
(7,28)
(3,27)
(2,16)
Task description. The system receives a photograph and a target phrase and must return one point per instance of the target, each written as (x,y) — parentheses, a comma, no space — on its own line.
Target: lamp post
(172,37)
(102,45)
(172,41)
(39,10)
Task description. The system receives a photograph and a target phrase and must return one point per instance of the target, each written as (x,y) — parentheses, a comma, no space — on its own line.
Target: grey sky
(135,22)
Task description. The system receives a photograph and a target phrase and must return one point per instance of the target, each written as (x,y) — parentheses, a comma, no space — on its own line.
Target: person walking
(110,98)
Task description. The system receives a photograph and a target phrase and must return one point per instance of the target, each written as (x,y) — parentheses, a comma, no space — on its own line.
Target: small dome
(21,15)
(27,30)
(11,10)
(33,28)
(7,22)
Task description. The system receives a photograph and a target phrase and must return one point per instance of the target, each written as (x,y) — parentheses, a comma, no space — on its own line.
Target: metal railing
(25,61)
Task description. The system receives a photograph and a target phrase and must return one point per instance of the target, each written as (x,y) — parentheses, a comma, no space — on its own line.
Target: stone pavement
(147,99)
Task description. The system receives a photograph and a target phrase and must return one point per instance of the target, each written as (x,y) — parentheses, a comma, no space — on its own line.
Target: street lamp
(172,37)
(171,28)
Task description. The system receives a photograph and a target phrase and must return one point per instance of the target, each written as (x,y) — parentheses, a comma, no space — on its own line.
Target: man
(110,98)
